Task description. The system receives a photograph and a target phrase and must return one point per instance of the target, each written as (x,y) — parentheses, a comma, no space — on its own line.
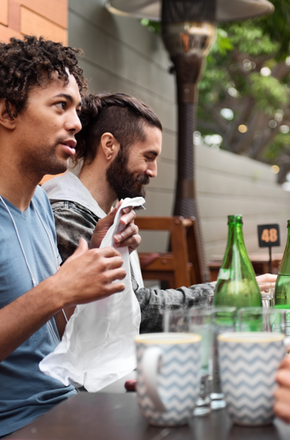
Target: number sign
(269,235)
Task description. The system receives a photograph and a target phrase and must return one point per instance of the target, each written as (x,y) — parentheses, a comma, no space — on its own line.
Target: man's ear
(109,145)
(5,118)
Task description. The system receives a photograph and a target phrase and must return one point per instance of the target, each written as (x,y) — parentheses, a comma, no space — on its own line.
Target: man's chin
(58,168)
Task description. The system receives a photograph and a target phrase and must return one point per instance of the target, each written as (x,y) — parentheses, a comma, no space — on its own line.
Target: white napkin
(97,347)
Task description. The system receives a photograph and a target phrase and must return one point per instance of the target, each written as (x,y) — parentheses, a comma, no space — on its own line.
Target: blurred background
(242,136)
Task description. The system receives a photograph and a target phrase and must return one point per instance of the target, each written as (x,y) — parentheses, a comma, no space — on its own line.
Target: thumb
(80,250)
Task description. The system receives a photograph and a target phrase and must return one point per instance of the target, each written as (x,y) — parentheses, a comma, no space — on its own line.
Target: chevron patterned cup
(248,363)
(168,377)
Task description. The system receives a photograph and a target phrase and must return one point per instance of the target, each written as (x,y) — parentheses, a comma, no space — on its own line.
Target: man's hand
(266,282)
(86,276)
(89,275)
(282,394)
(128,237)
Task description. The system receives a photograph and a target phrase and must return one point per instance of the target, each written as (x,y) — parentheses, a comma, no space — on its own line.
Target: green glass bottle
(282,288)
(236,284)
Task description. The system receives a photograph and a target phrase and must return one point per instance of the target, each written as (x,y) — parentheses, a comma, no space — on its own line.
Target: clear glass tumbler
(260,319)
(223,320)
(200,322)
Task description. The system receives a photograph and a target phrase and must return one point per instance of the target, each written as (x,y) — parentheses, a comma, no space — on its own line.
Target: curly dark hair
(24,62)
(120,114)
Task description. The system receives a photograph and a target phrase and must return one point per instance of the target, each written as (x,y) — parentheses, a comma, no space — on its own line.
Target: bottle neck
(235,235)
(285,264)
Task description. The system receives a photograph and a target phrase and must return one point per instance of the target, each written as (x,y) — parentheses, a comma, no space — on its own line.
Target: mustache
(143,179)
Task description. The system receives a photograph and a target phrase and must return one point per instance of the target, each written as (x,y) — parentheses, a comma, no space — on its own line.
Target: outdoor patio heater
(188,31)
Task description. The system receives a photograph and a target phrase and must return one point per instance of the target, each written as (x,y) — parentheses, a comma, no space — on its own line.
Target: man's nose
(74,123)
(152,170)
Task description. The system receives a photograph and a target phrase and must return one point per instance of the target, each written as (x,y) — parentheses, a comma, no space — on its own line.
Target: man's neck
(15,186)
(96,183)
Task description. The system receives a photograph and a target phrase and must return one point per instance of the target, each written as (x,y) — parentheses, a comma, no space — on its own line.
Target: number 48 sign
(269,235)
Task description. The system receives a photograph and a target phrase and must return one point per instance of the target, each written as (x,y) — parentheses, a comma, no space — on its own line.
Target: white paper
(97,347)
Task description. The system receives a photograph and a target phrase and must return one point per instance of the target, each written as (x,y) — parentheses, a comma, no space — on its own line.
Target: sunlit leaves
(268,92)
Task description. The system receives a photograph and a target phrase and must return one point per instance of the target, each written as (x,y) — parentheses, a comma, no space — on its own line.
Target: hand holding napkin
(97,347)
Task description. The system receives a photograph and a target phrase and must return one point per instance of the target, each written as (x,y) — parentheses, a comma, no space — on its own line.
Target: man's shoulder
(40,197)
(41,203)
(74,209)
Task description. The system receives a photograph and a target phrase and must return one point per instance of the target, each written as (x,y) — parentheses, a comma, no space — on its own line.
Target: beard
(44,160)
(122,181)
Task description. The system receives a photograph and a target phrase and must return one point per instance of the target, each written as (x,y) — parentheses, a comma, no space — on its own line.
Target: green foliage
(268,92)
(252,45)
(248,38)
(281,144)
(223,43)
(277,27)
(236,78)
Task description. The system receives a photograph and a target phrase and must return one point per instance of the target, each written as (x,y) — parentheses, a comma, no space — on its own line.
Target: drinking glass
(200,322)
(223,320)
(258,319)
(175,320)
(196,320)
(210,298)
(267,291)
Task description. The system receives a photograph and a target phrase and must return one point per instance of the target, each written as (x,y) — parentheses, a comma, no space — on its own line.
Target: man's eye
(61,105)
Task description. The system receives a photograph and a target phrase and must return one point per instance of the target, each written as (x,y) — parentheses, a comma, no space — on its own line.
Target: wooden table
(115,416)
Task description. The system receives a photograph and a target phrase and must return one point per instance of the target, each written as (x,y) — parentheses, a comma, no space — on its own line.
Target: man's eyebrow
(68,97)
(153,152)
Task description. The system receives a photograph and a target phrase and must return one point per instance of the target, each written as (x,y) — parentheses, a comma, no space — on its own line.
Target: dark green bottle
(282,288)
(236,283)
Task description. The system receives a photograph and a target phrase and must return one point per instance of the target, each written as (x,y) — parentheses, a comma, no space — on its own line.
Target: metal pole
(188,70)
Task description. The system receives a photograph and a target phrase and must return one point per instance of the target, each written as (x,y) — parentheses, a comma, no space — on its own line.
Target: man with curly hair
(40,97)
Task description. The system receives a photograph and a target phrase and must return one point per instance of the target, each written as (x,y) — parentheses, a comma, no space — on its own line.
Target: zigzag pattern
(244,386)
(178,384)
(251,351)
(260,415)
(243,402)
(248,379)
(242,365)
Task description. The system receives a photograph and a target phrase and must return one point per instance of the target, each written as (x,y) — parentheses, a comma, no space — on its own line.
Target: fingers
(93,275)
(282,393)
(128,237)
(285,363)
(126,234)
(128,216)
(105,223)
(266,282)
(266,278)
(282,410)
(102,228)
(282,403)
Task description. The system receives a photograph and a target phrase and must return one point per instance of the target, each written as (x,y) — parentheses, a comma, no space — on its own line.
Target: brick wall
(48,18)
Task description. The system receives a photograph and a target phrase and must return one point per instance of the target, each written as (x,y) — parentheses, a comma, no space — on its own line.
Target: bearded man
(118,147)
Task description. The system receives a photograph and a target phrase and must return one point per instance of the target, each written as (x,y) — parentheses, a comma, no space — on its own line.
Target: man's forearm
(88,275)
(153,302)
